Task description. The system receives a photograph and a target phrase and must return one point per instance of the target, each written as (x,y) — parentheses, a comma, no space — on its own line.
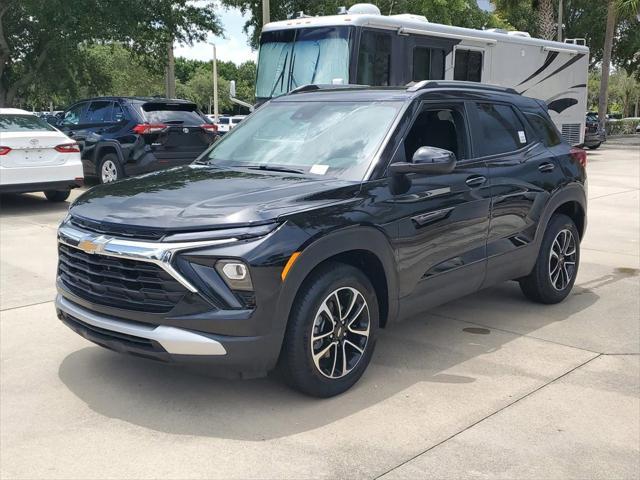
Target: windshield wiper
(273,168)
(280,77)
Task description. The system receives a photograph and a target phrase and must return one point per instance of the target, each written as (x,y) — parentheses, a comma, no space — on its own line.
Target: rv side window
(374,58)
(501,129)
(468,65)
(545,129)
(428,64)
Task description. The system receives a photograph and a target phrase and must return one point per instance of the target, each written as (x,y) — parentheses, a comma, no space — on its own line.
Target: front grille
(115,282)
(571,133)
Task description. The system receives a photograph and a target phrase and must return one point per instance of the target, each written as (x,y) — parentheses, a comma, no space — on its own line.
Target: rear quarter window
(545,129)
(23,123)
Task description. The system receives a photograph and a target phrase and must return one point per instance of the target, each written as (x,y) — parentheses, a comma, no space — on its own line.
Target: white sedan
(36,157)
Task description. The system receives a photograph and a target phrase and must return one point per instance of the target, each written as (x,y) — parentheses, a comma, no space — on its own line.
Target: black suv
(594,134)
(327,214)
(121,136)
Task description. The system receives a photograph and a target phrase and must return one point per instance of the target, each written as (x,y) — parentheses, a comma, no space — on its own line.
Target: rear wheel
(109,169)
(331,332)
(556,268)
(57,195)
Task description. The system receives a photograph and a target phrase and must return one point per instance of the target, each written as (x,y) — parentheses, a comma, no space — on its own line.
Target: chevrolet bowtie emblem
(92,246)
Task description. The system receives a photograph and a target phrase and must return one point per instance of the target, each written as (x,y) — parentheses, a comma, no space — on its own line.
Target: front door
(440,221)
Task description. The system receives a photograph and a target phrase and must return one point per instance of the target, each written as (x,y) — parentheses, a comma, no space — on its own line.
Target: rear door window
(501,131)
(179,114)
(73,115)
(100,111)
(23,123)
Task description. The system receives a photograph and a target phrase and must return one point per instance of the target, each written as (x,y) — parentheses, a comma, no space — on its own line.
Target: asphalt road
(489,386)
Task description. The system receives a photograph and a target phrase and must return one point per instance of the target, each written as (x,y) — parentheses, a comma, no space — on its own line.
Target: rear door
(179,131)
(523,175)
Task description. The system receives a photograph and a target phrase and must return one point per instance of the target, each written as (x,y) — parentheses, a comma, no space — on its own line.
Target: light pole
(560,8)
(214,74)
(266,17)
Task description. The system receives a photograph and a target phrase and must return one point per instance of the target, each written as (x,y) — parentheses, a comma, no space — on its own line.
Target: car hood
(198,197)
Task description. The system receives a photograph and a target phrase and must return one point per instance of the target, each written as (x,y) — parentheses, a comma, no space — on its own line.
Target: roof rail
(313,87)
(425,84)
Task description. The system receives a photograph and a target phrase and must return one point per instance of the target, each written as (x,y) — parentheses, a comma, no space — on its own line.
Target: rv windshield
(291,58)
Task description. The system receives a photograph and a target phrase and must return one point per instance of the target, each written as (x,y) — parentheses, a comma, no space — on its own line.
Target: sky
(232,47)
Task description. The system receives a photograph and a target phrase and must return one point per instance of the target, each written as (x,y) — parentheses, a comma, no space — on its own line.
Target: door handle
(475,180)
(546,167)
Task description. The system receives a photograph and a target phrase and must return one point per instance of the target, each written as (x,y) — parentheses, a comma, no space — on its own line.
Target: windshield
(335,139)
(23,123)
(291,58)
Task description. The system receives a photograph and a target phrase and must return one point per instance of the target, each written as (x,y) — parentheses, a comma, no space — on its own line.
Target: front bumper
(208,324)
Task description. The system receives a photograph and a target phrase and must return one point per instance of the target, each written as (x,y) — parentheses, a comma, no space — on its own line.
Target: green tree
(42,41)
(463,13)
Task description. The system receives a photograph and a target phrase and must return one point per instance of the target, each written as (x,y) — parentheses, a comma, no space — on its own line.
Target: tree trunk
(606,62)
(171,72)
(546,23)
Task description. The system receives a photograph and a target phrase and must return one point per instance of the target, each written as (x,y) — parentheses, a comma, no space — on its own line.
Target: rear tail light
(209,127)
(4,150)
(143,128)
(68,148)
(579,155)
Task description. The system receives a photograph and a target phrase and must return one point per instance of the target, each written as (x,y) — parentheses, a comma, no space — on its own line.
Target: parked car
(331,213)
(594,134)
(226,123)
(35,157)
(122,136)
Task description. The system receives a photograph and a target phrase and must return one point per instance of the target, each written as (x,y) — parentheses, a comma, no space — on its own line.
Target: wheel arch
(365,248)
(103,148)
(570,201)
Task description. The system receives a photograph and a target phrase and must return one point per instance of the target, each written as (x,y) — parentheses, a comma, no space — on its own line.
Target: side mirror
(427,160)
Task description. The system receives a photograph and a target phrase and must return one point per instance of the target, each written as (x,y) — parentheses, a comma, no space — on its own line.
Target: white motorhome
(361,46)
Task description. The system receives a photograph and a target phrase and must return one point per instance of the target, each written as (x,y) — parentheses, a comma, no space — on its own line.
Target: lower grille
(120,283)
(571,133)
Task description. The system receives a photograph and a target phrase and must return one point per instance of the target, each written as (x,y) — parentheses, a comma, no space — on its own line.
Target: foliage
(42,41)
(462,13)
(624,93)
(626,126)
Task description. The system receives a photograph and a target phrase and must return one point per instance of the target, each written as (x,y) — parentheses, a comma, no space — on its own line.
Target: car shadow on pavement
(16,205)
(178,400)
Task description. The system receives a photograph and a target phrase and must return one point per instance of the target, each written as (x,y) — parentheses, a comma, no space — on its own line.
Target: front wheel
(556,268)
(57,195)
(331,332)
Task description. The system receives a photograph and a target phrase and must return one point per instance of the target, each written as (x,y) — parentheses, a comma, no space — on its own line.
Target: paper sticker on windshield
(319,169)
(523,138)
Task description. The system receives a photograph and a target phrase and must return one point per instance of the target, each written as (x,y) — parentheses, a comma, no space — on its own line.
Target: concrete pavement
(489,386)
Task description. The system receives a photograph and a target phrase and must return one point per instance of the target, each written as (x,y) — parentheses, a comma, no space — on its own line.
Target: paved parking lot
(489,386)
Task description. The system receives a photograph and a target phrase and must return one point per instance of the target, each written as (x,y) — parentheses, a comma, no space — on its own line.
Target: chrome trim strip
(158,253)
(174,340)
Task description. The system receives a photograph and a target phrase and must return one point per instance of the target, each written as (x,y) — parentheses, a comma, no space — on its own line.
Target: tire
(593,147)
(556,268)
(310,315)
(57,195)
(109,169)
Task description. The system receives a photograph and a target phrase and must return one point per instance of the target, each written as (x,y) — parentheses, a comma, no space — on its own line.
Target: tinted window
(99,112)
(223,121)
(468,65)
(72,116)
(501,130)
(374,58)
(441,128)
(172,113)
(118,113)
(23,123)
(545,129)
(428,64)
